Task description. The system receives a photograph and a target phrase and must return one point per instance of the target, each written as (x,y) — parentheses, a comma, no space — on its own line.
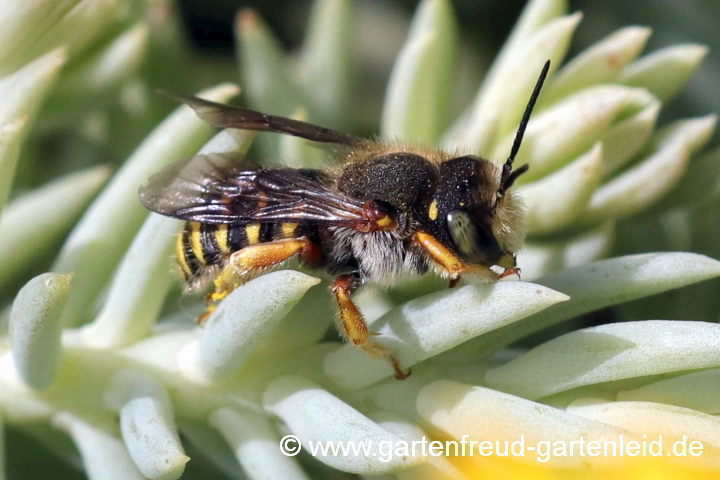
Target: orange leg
(354,325)
(450,263)
(251,260)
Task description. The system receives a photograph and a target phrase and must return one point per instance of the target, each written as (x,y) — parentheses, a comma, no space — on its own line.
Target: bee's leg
(252,259)
(450,263)
(354,326)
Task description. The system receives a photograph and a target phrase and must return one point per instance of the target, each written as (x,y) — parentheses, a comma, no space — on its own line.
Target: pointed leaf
(35,328)
(429,325)
(607,353)
(101,237)
(315,415)
(558,199)
(666,71)
(255,443)
(697,390)
(241,322)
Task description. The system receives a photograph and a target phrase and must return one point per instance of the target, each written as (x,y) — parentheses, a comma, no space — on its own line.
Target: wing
(227,116)
(226,189)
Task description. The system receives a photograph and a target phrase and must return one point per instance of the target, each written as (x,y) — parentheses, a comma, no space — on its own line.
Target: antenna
(508,176)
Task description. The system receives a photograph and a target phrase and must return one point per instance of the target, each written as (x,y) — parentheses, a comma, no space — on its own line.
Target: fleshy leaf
(647,182)
(569,128)
(53,208)
(241,322)
(627,137)
(539,19)
(11,135)
(31,29)
(106,68)
(666,71)
(152,439)
(144,277)
(35,328)
(459,409)
(553,202)
(432,324)
(666,422)
(255,443)
(101,237)
(24,90)
(601,63)
(609,352)
(419,88)
(697,390)
(315,415)
(104,455)
(598,285)
(324,65)
(435,468)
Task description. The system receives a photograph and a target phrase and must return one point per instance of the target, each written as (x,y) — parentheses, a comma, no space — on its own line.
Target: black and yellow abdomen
(202,246)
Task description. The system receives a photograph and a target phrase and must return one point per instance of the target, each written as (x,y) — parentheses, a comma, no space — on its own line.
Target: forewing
(227,189)
(227,116)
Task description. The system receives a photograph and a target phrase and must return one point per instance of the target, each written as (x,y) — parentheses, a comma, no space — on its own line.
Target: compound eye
(473,243)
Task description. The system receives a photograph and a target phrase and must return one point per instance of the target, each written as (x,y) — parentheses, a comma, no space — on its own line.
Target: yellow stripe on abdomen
(253,233)
(289,229)
(221,236)
(180,254)
(196,243)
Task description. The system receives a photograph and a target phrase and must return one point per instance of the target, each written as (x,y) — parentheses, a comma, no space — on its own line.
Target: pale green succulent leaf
(696,390)
(53,208)
(419,88)
(31,29)
(556,200)
(255,444)
(655,419)
(24,90)
(315,415)
(601,63)
(107,68)
(439,468)
(569,128)
(665,71)
(622,141)
(101,237)
(144,277)
(239,325)
(432,324)
(595,286)
(502,100)
(139,287)
(609,352)
(104,455)
(152,439)
(35,328)
(654,176)
(324,64)
(11,136)
(460,409)
(265,74)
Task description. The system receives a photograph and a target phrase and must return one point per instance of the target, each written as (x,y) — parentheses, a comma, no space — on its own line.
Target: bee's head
(475,210)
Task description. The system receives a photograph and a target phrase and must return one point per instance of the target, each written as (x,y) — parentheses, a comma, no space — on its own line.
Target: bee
(388,211)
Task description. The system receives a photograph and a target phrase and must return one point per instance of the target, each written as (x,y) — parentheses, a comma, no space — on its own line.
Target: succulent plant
(101,362)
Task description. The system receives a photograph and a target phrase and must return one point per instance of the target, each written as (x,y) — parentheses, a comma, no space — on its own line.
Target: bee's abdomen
(201,246)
